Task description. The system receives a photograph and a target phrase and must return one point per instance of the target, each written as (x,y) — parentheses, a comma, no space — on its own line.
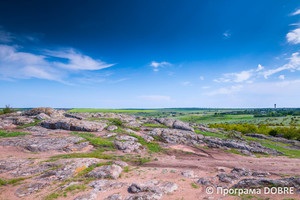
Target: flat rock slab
(46,144)
(30,188)
(72,124)
(69,168)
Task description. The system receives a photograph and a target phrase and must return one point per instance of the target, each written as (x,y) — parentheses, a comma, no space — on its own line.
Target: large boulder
(128,146)
(106,171)
(176,136)
(174,123)
(72,124)
(53,113)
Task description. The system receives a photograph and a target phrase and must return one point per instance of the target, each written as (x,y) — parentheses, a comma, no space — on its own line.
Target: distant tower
(275,105)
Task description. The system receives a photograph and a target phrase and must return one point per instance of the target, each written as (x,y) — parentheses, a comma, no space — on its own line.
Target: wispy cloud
(297,12)
(239,77)
(76,60)
(157,65)
(292,65)
(294,36)
(17,64)
(155,97)
(226,90)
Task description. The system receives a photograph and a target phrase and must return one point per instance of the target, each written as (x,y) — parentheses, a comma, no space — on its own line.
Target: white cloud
(77,61)
(240,77)
(156,65)
(294,36)
(281,77)
(201,78)
(259,68)
(297,12)
(226,91)
(292,65)
(205,87)
(235,77)
(156,98)
(16,64)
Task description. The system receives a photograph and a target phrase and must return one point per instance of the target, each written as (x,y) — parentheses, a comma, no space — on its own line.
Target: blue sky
(150,54)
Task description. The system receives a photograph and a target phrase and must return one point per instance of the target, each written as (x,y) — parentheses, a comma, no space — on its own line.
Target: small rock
(111,128)
(120,163)
(188,173)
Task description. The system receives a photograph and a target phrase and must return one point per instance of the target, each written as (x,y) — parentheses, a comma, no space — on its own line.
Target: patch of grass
(268,141)
(222,136)
(80,187)
(84,135)
(155,125)
(234,151)
(134,128)
(126,169)
(10,181)
(291,153)
(103,143)
(194,185)
(30,124)
(12,134)
(52,196)
(95,154)
(152,146)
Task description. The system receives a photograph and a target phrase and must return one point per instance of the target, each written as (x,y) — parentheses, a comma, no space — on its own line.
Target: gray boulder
(72,124)
(106,171)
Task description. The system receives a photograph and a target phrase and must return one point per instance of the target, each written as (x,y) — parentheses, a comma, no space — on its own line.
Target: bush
(7,109)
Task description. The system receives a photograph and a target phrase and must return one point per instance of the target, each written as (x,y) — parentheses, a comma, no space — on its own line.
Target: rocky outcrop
(53,113)
(46,144)
(175,136)
(257,183)
(151,189)
(106,171)
(106,185)
(72,124)
(129,146)
(30,188)
(254,147)
(10,164)
(174,123)
(69,168)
